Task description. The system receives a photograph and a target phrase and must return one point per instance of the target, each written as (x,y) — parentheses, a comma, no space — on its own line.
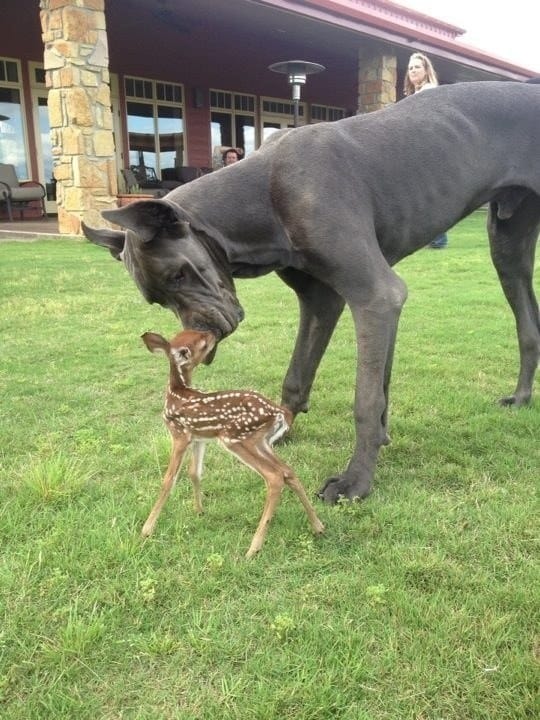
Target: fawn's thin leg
(296,486)
(247,452)
(195,472)
(274,487)
(179,445)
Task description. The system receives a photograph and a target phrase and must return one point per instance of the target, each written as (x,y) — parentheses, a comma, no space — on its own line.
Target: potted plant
(135,193)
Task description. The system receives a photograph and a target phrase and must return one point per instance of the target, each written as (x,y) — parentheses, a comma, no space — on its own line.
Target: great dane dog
(331,208)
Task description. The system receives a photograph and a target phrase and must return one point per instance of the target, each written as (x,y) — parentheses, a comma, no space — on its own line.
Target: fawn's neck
(180,377)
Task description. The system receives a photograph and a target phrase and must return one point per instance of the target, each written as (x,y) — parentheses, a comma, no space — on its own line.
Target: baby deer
(244,422)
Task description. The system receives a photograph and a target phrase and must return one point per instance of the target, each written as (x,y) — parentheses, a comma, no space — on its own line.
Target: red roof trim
(388,15)
(408,28)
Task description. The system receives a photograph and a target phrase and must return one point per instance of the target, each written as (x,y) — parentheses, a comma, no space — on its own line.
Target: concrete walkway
(29,229)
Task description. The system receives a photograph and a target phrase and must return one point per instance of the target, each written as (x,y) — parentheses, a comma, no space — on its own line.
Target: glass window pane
(170,137)
(169,92)
(336,113)
(12,148)
(318,112)
(220,99)
(141,134)
(139,88)
(245,133)
(148,90)
(12,72)
(221,124)
(45,137)
(244,102)
(9,71)
(39,76)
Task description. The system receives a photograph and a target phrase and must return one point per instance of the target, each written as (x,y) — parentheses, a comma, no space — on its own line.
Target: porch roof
(399,25)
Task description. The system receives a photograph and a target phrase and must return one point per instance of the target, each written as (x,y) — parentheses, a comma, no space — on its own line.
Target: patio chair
(133,185)
(146,177)
(13,192)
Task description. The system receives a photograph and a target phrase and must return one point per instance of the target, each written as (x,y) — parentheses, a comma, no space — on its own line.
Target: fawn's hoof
(318,527)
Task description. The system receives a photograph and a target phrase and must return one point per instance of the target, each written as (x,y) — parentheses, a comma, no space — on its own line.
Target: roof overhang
(397,25)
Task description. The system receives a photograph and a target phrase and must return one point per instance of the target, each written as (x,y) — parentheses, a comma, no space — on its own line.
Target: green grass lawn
(419,603)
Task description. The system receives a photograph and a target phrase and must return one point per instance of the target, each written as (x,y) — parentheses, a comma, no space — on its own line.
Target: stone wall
(77,74)
(377,78)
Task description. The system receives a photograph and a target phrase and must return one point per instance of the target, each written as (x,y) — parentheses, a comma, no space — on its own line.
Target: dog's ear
(113,240)
(150,219)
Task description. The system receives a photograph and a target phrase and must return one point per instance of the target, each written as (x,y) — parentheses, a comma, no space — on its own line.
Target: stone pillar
(377,78)
(76,62)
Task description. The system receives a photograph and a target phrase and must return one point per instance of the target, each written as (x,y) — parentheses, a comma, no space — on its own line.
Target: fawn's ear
(155,343)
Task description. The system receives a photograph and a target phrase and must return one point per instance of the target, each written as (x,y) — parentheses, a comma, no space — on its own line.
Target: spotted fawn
(244,422)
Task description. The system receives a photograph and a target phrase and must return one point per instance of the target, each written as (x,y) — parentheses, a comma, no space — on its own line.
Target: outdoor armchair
(13,192)
(133,185)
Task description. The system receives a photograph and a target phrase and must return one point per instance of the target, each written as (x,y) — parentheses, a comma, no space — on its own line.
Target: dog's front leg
(320,309)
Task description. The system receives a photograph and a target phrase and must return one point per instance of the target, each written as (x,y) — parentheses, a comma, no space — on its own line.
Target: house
(88,87)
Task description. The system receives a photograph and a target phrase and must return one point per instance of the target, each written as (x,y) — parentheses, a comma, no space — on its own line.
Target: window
(155,124)
(39,76)
(280,107)
(9,71)
(232,120)
(322,113)
(12,135)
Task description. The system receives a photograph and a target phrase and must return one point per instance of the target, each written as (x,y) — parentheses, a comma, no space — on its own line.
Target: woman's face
(417,71)
(231,157)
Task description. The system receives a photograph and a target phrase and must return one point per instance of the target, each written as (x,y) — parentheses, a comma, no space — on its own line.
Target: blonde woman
(422,76)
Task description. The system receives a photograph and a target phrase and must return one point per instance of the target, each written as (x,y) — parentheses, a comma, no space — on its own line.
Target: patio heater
(297,72)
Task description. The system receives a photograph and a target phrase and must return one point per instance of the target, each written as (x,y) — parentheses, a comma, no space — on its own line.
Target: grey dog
(331,208)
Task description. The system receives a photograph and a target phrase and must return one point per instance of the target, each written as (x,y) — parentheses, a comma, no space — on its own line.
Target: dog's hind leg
(320,309)
(513,243)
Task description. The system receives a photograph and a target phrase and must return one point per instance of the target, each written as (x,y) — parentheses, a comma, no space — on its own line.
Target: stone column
(76,62)
(377,78)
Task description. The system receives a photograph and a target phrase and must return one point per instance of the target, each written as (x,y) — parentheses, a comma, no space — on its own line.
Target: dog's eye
(178,277)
